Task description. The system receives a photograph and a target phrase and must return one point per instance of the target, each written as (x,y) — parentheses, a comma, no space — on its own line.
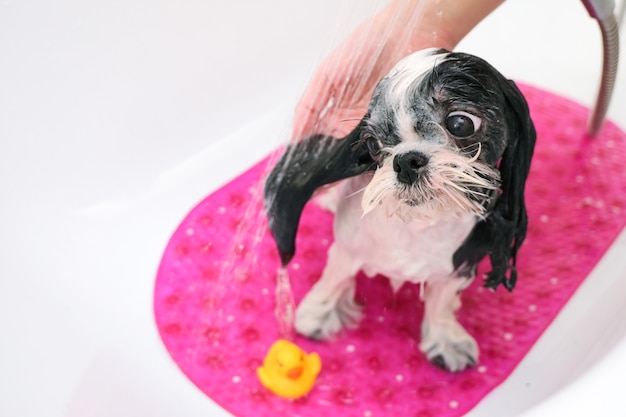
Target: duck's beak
(294,373)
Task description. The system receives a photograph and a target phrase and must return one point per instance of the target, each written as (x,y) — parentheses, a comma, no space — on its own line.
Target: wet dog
(435,174)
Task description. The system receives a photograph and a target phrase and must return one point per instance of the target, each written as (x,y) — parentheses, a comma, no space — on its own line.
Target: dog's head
(444,132)
(436,126)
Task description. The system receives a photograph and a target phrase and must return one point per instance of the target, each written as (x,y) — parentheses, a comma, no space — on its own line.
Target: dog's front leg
(329,306)
(444,341)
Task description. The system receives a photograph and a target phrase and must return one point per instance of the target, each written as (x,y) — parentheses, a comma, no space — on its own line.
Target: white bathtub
(117,117)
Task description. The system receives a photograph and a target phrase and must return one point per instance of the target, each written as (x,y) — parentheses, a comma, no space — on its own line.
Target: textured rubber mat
(214,297)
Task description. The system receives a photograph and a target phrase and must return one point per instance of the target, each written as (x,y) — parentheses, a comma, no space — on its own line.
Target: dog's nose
(408,166)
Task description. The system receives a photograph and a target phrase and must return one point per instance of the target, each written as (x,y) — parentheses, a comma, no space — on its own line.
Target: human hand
(340,90)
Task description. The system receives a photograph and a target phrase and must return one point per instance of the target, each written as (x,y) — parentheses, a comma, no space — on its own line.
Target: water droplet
(285,304)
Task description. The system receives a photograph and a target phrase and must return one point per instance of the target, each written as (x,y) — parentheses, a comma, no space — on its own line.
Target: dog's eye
(462,124)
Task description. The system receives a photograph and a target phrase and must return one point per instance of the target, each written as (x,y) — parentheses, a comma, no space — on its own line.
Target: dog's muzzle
(408,166)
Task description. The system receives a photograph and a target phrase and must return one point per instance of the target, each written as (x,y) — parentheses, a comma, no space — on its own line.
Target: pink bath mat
(214,295)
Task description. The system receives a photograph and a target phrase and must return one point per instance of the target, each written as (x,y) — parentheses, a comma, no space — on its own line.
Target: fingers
(342,85)
(332,105)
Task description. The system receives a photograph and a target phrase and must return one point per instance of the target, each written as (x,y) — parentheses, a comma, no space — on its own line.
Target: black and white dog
(436,170)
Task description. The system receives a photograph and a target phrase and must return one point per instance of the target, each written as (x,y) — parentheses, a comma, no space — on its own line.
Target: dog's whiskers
(478,151)
(452,182)
(356,192)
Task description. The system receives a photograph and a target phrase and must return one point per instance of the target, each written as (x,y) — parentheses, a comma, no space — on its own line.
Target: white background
(118,116)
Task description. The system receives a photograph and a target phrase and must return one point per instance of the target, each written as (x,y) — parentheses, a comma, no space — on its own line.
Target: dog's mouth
(430,195)
(414,196)
(411,198)
(449,182)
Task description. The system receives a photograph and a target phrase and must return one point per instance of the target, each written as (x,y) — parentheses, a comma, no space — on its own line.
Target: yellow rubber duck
(288,371)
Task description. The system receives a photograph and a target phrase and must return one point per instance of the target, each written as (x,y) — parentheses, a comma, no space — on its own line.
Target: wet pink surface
(214,294)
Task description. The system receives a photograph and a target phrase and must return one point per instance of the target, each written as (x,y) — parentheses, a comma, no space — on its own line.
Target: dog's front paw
(321,319)
(448,346)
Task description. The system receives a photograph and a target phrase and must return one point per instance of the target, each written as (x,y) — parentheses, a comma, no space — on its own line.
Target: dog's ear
(502,233)
(306,166)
